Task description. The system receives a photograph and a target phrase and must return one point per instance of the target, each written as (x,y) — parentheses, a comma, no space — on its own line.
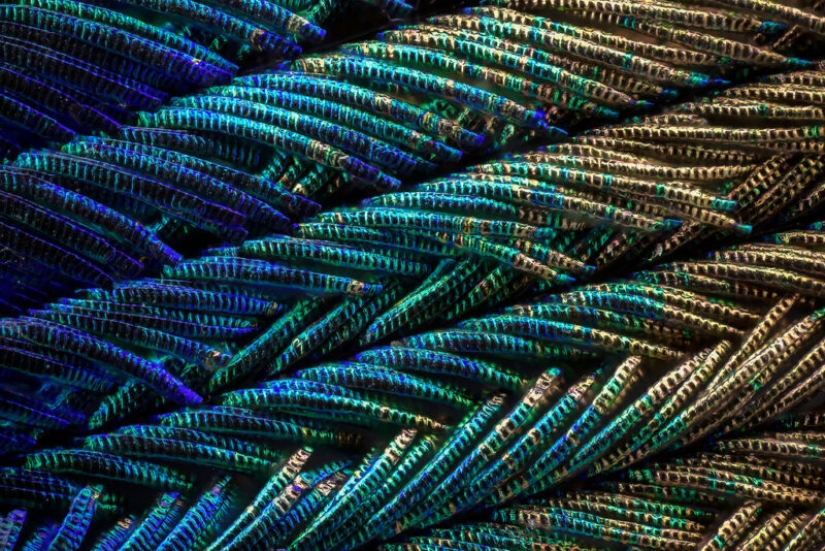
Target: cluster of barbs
(378,370)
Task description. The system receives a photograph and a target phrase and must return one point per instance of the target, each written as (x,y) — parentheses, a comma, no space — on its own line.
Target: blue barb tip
(744,229)
(565,279)
(671,224)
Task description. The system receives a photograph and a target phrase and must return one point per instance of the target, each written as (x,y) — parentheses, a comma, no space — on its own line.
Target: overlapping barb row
(449,364)
(248,158)
(72,68)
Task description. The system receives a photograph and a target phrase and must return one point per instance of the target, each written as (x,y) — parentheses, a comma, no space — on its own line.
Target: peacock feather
(523,275)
